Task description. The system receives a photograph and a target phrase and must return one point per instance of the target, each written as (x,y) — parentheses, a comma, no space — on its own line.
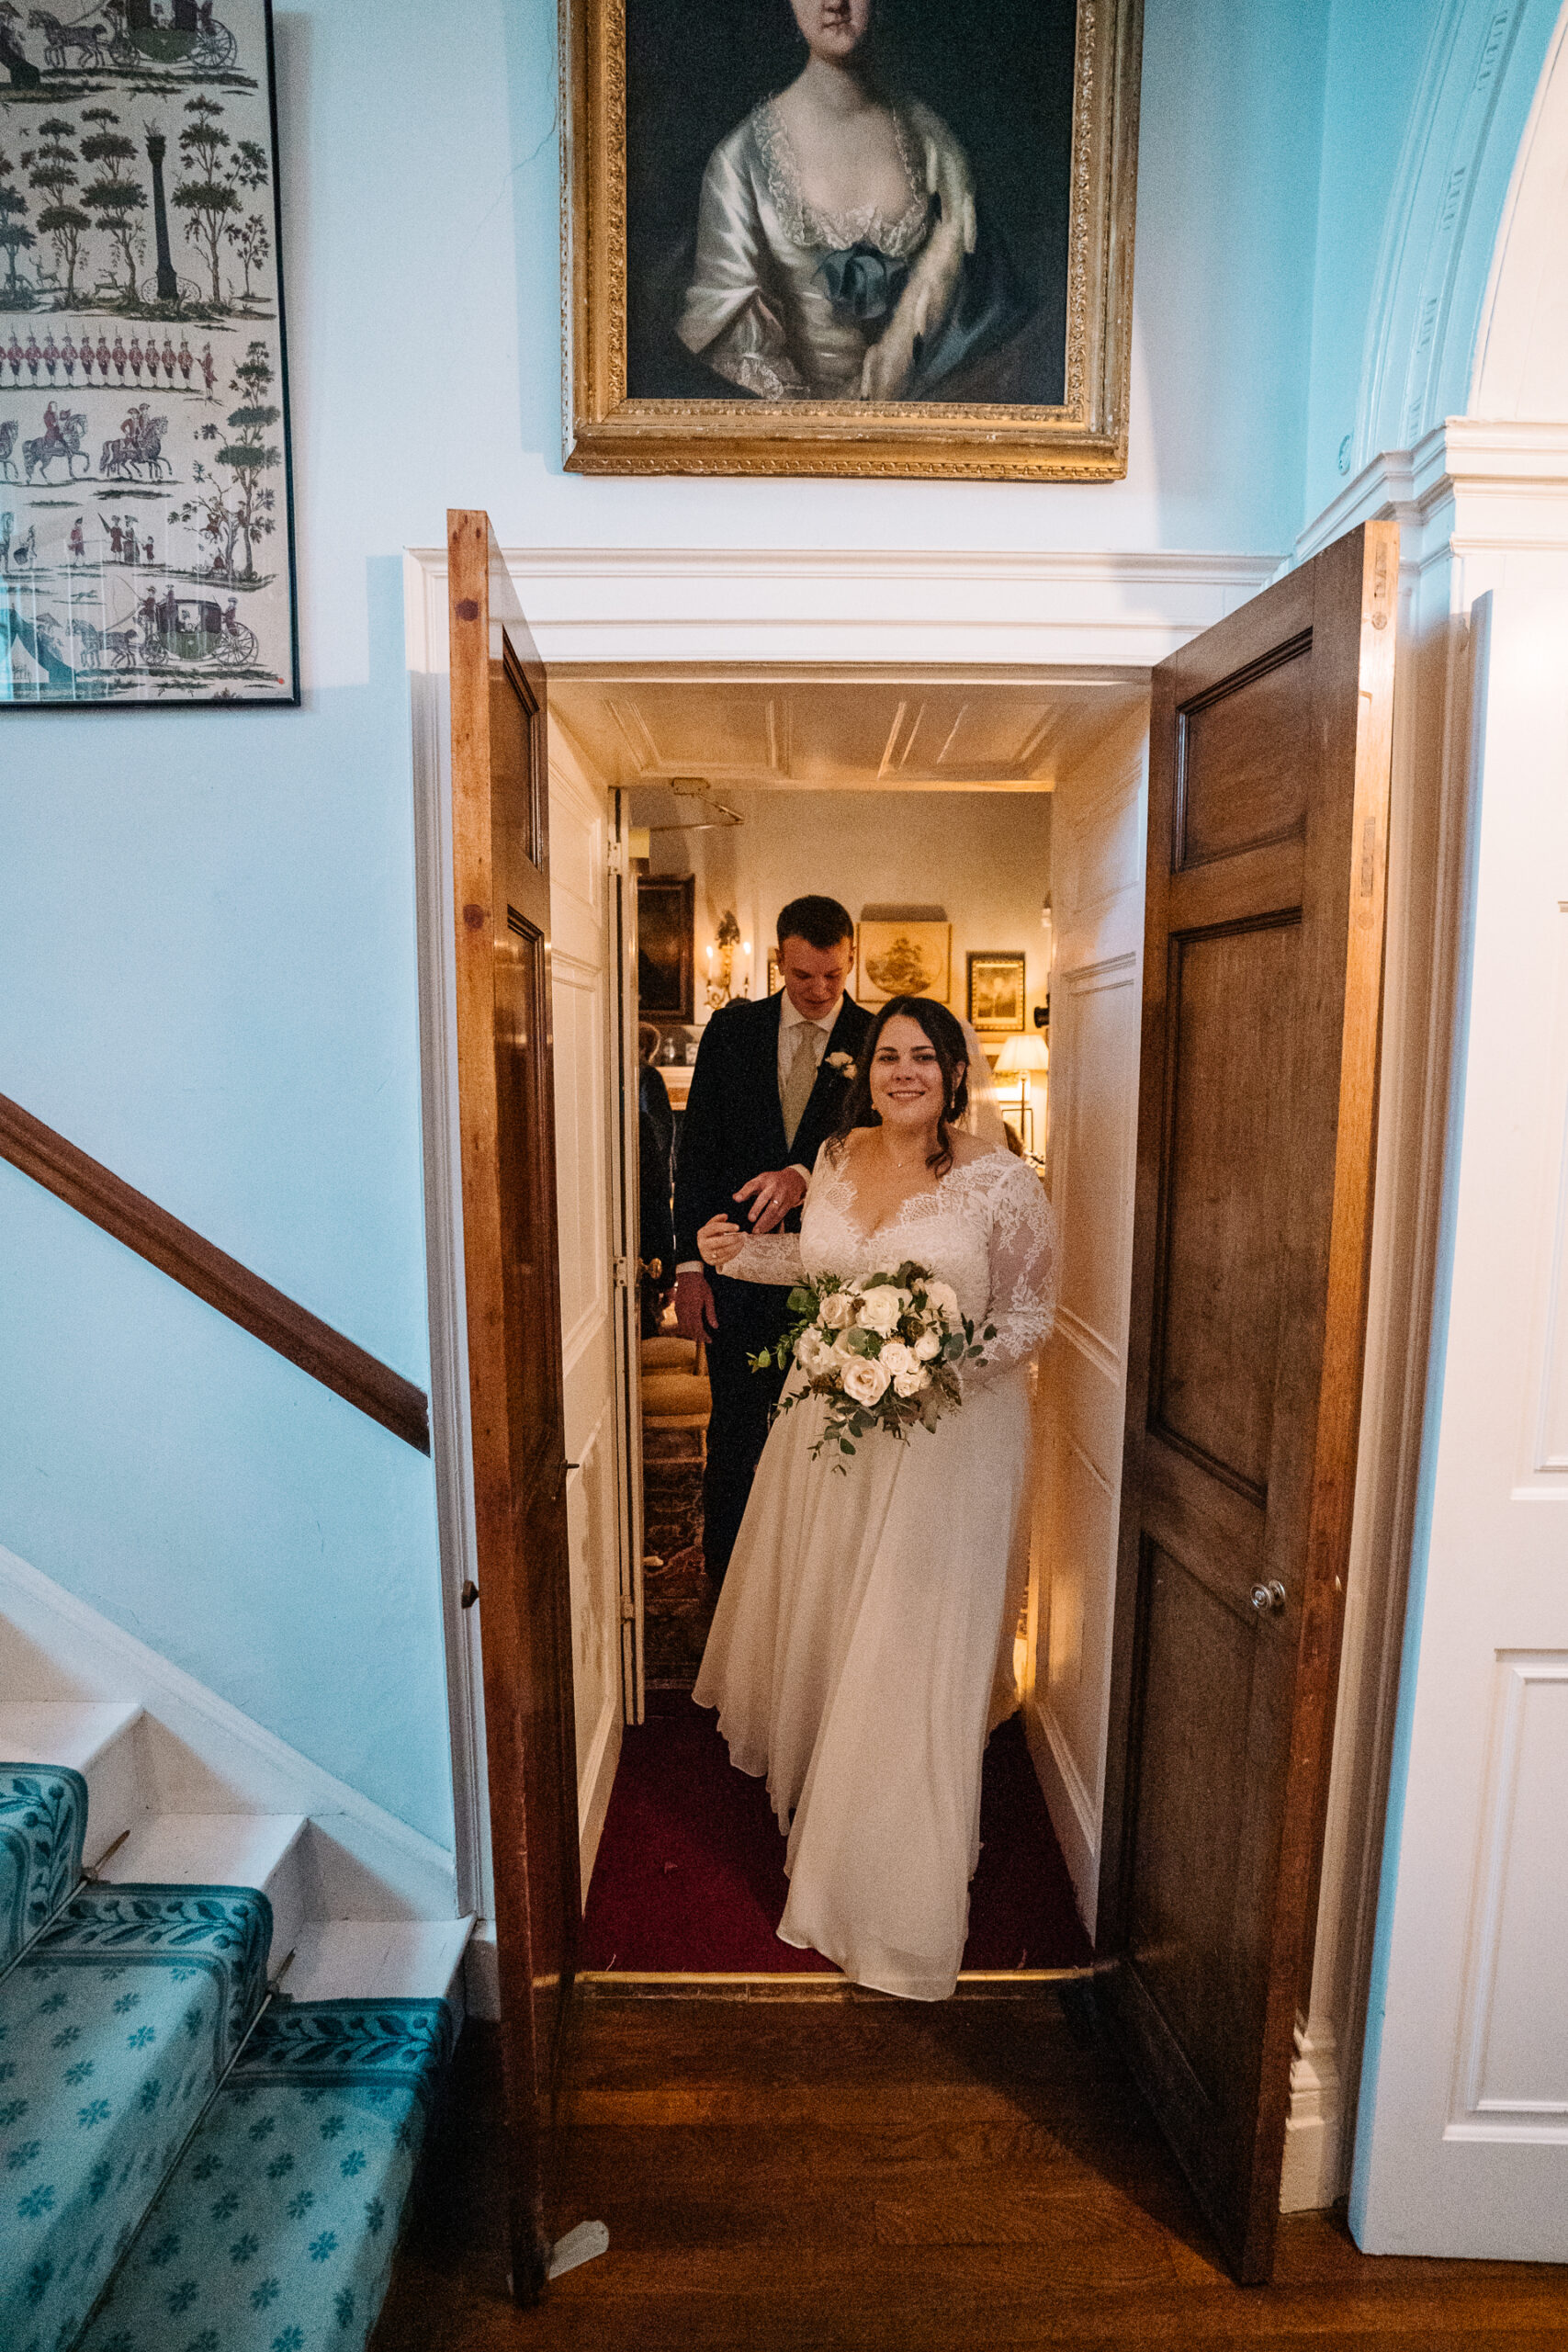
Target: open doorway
(924,803)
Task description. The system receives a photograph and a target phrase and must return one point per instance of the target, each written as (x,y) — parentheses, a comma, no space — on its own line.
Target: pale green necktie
(802,1078)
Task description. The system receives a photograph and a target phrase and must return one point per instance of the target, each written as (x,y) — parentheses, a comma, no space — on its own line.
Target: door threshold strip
(809,1984)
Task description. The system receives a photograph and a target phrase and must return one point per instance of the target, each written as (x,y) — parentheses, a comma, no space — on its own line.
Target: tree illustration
(250,455)
(217,169)
(207,195)
(251,243)
(114,198)
(14,235)
(54,176)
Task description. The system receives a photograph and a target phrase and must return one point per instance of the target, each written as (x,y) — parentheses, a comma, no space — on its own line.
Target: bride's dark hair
(952,1058)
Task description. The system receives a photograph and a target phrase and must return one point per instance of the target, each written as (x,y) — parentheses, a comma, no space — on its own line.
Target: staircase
(211,2102)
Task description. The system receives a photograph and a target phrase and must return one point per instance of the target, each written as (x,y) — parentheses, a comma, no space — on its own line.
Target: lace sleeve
(766,1258)
(1023,1304)
(774,1257)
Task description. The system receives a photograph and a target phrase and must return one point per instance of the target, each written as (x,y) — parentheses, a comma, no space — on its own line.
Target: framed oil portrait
(666,959)
(146,522)
(903,959)
(997,996)
(945,292)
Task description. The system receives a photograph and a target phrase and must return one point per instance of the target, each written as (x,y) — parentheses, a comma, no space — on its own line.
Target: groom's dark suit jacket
(733,1130)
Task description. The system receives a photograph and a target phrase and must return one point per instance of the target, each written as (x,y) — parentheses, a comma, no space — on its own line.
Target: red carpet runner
(690,1873)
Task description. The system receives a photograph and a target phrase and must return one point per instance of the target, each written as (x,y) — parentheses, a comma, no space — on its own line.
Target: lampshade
(1027,1051)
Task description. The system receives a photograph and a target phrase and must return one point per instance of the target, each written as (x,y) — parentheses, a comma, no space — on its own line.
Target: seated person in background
(656,1143)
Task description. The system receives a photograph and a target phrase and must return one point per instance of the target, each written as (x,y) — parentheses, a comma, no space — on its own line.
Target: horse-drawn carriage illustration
(136,32)
(169,32)
(194,628)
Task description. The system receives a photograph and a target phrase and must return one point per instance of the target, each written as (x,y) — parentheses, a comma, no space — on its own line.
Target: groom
(768,1091)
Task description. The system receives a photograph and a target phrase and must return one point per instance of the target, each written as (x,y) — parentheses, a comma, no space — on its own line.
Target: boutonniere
(844,1066)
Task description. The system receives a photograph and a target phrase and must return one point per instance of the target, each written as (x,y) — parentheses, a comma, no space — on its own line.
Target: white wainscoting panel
(1514,2075)
(1098,896)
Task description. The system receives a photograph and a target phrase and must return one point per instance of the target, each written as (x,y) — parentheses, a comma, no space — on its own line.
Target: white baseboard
(201,1755)
(1073,1816)
(598,1780)
(1314,2127)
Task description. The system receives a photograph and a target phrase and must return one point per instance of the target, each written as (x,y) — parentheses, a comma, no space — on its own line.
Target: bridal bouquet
(883,1350)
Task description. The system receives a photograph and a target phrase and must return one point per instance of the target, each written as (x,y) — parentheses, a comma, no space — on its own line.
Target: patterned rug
(678,1601)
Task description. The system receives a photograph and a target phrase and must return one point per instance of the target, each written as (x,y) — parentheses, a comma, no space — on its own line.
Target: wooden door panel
(506,1106)
(1233,791)
(1226,1181)
(1192,1754)
(1269,771)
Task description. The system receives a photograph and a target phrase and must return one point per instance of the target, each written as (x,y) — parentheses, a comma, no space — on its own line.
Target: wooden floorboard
(889,2177)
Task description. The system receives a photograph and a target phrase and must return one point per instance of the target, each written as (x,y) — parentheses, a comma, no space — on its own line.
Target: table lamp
(1019,1057)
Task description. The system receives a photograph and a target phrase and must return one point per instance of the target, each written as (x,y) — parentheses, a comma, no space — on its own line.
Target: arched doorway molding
(1479,85)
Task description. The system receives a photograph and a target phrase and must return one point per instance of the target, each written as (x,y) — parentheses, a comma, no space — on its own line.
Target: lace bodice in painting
(988,1228)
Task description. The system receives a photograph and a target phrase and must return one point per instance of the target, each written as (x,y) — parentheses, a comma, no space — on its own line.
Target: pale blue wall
(207,950)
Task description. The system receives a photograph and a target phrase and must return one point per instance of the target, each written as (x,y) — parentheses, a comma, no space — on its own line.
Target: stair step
(96,1740)
(261,1849)
(117,2024)
(278,2225)
(378,1959)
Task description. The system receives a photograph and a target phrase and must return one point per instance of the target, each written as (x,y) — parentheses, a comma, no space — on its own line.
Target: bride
(858,1634)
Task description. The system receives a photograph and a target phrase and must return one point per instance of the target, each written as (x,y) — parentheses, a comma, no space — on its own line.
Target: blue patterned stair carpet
(115,2027)
(44,1818)
(277,2232)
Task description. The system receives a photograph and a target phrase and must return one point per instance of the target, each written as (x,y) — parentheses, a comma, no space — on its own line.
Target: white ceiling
(842,733)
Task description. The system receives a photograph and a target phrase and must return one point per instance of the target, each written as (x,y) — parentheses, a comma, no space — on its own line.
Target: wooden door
(1268,784)
(501,877)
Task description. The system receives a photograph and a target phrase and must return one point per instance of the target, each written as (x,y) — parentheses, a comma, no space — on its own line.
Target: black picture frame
(201,613)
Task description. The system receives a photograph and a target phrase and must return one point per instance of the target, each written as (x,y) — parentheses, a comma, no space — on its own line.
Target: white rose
(865,1380)
(927,1346)
(881,1307)
(913,1382)
(812,1354)
(944,1298)
(838,1309)
(896,1358)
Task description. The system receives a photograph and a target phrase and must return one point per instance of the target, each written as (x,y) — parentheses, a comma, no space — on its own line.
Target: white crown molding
(207,1757)
(1112,615)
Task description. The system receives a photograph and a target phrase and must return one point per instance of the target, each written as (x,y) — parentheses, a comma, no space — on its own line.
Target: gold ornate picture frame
(662,99)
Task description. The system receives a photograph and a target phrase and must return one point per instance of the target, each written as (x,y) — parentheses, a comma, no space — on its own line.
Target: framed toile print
(879,237)
(146,526)
(903,959)
(996,993)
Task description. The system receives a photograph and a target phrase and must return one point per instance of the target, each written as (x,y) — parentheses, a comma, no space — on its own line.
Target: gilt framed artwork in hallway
(146,522)
(879,237)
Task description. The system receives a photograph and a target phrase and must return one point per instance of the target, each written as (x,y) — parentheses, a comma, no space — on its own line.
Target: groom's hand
(773,1197)
(695,1317)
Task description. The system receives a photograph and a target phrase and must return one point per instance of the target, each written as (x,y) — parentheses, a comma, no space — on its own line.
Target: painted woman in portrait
(839,253)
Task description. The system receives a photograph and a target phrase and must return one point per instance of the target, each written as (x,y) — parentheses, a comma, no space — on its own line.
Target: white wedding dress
(866,1617)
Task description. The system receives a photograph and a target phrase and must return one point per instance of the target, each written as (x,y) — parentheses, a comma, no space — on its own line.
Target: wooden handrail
(280,1322)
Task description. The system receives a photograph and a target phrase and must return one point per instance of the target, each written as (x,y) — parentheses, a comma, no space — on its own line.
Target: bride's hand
(719,1240)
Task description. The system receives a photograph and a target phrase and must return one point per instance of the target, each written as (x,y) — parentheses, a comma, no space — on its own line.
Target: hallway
(789,2176)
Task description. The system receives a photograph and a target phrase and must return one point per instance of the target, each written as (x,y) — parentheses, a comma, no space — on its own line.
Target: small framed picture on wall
(996,993)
